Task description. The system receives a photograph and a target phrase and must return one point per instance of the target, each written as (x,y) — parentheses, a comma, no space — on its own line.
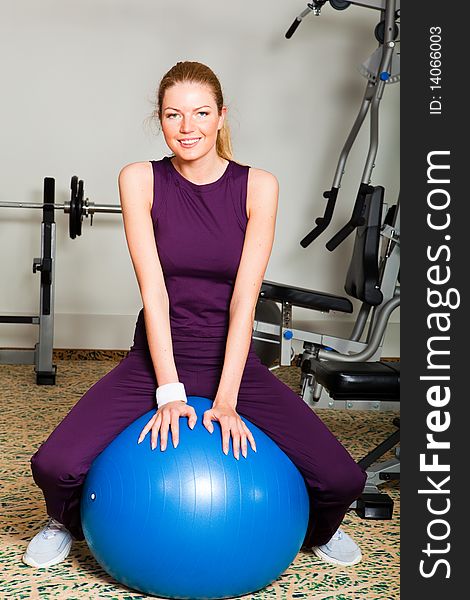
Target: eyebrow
(177,109)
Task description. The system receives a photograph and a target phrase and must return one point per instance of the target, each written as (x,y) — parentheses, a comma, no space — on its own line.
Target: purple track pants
(60,465)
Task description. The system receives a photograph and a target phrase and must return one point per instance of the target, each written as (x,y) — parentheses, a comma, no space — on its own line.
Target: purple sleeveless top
(199,232)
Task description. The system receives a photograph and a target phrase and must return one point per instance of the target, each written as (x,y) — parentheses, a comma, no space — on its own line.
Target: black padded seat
(304,298)
(359,381)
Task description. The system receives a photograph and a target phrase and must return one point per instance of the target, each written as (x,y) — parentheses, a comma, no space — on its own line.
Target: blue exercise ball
(191,522)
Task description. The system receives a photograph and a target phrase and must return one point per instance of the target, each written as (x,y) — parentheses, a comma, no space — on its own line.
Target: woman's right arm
(136,195)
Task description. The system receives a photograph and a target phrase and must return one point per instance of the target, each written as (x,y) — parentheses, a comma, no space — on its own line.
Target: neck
(205,169)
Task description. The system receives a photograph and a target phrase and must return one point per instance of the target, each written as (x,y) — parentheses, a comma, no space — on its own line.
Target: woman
(200,229)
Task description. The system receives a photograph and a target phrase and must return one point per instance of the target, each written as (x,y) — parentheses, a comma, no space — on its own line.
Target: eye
(172,114)
(202,112)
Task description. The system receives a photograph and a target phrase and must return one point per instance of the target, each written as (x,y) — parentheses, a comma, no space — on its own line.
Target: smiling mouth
(189,143)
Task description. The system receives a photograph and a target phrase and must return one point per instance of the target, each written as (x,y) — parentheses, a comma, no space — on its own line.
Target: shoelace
(52,528)
(338,535)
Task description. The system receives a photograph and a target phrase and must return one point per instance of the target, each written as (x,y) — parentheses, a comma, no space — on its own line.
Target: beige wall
(78,84)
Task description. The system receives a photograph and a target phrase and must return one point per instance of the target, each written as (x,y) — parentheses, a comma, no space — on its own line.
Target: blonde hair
(196,72)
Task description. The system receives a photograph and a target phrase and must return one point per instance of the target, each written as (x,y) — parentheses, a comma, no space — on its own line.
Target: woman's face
(189,112)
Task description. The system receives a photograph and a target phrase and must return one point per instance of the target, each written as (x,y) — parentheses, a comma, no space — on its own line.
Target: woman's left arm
(262,201)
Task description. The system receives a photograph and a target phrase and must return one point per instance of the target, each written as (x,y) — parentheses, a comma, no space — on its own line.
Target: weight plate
(73,201)
(76,207)
(79,210)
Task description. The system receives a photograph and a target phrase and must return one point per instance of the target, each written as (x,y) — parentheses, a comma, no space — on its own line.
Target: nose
(186,126)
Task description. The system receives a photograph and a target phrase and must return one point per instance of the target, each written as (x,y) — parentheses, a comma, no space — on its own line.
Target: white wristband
(170,392)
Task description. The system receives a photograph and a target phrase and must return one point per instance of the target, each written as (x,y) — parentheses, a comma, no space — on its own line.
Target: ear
(223,113)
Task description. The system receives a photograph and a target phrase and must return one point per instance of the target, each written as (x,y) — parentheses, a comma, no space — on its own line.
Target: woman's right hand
(166,416)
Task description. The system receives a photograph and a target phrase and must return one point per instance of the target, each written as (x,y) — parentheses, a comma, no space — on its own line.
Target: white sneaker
(340,550)
(48,547)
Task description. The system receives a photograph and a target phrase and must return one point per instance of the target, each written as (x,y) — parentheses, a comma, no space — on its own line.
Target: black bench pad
(304,298)
(359,381)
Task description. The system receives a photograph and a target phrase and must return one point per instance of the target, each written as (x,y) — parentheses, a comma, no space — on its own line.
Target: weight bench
(367,381)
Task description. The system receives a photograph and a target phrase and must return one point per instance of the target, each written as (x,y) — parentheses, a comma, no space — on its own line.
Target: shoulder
(263,190)
(259,178)
(136,170)
(137,178)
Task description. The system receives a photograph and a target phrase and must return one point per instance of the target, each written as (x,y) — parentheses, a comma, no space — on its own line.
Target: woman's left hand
(230,422)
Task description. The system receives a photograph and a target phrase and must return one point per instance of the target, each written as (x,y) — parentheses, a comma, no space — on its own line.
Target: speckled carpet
(30,412)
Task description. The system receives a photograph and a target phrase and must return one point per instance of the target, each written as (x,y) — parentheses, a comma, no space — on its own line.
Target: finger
(207,421)
(175,420)
(243,441)
(146,429)
(192,417)
(251,438)
(236,443)
(162,423)
(164,430)
(225,434)
(244,445)
(155,428)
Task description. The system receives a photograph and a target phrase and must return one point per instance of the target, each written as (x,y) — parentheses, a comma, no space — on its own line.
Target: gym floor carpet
(30,412)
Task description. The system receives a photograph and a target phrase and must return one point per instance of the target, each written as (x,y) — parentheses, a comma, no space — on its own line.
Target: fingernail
(237,457)
(256,450)
(153,446)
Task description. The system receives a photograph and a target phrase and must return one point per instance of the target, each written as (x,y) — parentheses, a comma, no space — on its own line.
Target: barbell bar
(90,206)
(77,208)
